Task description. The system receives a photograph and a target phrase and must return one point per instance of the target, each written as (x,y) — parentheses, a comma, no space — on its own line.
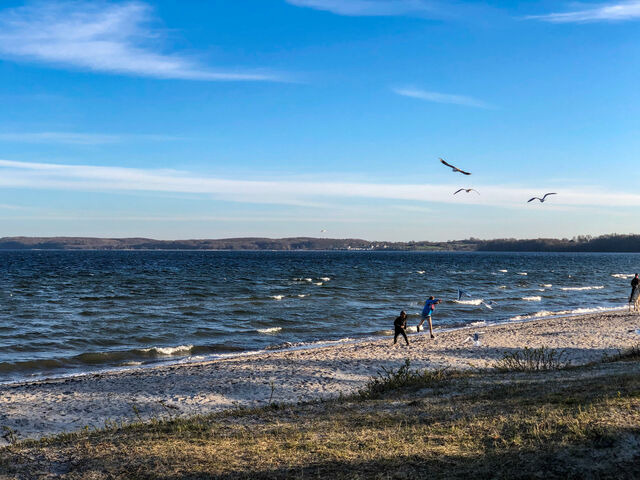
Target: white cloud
(120,179)
(442,97)
(602,12)
(371,7)
(101,37)
(73,138)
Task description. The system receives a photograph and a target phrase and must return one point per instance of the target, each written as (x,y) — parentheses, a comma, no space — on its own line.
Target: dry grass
(575,423)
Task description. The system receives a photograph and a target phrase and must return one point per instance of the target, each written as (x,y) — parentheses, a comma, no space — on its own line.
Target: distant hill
(605,243)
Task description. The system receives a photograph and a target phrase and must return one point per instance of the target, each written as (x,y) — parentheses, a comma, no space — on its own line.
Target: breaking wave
(579,289)
(577,311)
(269,330)
(475,301)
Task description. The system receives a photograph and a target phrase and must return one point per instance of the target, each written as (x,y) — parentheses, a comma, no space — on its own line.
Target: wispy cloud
(73,138)
(603,12)
(438,97)
(102,37)
(372,7)
(119,179)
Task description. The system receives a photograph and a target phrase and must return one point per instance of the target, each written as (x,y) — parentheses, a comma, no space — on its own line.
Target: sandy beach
(52,406)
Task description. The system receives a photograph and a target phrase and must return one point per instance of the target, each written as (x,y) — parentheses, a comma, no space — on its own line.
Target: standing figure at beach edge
(429,307)
(634,286)
(400,325)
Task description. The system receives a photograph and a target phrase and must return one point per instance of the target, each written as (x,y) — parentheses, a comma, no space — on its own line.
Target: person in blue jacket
(429,307)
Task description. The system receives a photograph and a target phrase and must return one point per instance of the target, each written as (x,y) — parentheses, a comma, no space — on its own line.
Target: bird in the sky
(541,199)
(455,169)
(323,231)
(468,190)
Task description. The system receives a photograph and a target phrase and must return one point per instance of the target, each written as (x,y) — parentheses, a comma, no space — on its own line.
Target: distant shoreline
(603,244)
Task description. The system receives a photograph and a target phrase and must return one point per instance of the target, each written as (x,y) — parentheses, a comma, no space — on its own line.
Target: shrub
(532,360)
(389,380)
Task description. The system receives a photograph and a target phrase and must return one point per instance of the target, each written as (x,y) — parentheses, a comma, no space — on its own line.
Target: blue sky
(189,119)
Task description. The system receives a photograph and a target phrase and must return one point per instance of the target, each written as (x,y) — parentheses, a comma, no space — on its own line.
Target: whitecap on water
(325,279)
(622,275)
(503,271)
(535,298)
(269,330)
(475,301)
(317,283)
(179,350)
(576,289)
(523,273)
(277,297)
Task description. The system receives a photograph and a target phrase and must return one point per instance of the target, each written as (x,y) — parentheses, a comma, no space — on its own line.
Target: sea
(71,312)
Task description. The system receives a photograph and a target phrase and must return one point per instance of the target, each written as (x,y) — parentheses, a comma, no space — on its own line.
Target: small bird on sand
(455,169)
(468,190)
(541,199)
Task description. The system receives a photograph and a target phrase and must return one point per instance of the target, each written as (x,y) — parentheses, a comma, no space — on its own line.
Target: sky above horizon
(229,118)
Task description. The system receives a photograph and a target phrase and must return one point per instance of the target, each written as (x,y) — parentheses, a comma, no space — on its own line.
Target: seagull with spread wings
(455,169)
(468,190)
(541,199)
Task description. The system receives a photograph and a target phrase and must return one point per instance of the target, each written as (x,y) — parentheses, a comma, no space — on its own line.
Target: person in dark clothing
(634,285)
(400,325)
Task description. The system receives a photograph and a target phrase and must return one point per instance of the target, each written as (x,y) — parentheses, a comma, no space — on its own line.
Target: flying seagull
(323,231)
(462,293)
(468,190)
(541,199)
(455,169)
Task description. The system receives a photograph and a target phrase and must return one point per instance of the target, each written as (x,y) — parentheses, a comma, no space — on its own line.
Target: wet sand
(52,406)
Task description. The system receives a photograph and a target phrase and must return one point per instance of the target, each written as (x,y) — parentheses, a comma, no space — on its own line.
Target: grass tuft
(389,380)
(532,360)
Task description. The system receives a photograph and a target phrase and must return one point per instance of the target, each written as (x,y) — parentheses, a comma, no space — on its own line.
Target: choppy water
(66,312)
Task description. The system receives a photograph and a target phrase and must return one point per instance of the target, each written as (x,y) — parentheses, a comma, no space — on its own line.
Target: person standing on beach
(634,285)
(429,307)
(400,325)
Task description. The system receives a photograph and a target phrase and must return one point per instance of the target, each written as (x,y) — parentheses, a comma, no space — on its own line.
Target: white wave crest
(523,273)
(179,350)
(475,301)
(502,286)
(302,295)
(503,271)
(269,330)
(535,298)
(577,311)
(576,289)
(308,280)
(622,275)
(277,297)
(546,285)
(317,283)
(481,323)
(325,279)
(421,272)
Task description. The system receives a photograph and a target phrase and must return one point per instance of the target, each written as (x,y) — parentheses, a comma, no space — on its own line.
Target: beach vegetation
(404,377)
(581,422)
(532,360)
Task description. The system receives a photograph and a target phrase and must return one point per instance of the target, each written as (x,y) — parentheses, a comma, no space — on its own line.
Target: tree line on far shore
(604,243)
